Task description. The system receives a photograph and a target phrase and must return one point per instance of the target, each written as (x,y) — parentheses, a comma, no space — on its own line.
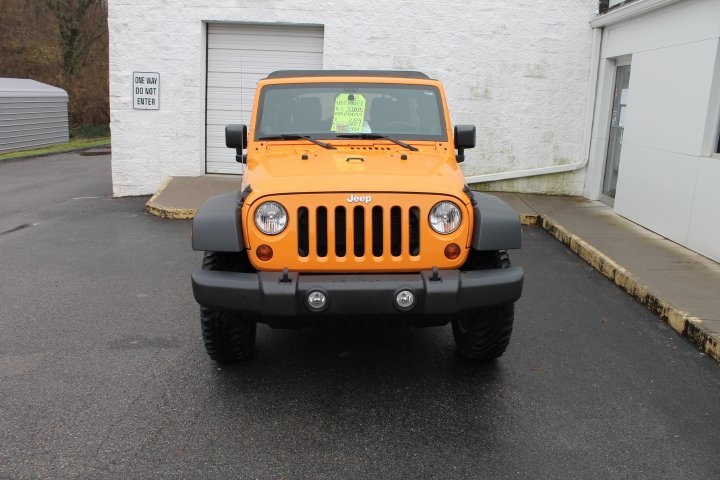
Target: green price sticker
(349,113)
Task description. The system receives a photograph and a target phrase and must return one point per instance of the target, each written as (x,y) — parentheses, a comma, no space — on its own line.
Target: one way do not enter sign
(146,91)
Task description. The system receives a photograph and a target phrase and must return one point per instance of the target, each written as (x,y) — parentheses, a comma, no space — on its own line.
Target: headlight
(271,218)
(445,217)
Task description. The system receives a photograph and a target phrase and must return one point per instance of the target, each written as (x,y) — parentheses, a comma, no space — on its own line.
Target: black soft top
(347,73)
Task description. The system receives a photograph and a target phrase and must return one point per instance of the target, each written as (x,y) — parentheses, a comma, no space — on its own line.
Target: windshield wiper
(297,137)
(373,136)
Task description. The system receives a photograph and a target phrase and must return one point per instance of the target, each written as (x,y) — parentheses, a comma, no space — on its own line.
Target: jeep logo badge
(359,198)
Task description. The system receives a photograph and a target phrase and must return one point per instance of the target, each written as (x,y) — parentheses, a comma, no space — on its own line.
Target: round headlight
(271,218)
(445,217)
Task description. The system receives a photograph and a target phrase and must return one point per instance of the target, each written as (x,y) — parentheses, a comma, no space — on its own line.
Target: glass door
(615,135)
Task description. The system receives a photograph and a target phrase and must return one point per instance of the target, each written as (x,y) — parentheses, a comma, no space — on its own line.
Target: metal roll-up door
(237,57)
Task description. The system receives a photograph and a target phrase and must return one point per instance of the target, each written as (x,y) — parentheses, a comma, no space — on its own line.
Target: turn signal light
(452,251)
(264,252)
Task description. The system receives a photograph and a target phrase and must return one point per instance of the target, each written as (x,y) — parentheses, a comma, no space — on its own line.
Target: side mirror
(236,136)
(464,138)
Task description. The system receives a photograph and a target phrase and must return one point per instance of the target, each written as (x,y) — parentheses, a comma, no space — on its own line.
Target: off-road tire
(227,262)
(486,260)
(485,333)
(228,336)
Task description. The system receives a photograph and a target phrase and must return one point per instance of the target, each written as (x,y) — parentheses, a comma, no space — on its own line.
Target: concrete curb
(154,208)
(682,322)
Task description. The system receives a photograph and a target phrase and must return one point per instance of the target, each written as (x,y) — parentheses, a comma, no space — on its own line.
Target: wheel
(227,262)
(485,334)
(486,260)
(228,336)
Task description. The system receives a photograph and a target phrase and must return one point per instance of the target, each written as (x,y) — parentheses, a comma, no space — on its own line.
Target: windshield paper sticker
(349,113)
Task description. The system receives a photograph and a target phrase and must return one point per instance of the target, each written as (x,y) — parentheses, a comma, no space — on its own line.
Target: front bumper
(269,294)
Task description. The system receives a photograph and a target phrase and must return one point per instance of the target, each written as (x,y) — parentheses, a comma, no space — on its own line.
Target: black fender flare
(496,225)
(217,226)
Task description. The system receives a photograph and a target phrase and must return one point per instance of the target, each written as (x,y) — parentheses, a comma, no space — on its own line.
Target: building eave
(626,12)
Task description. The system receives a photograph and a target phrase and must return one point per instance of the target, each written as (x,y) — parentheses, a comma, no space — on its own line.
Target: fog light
(452,251)
(405,299)
(317,300)
(264,252)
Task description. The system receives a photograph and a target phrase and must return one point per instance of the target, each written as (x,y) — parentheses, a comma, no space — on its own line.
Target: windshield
(340,110)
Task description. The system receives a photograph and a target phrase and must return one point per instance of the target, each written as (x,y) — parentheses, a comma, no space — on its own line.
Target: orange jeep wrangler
(353,207)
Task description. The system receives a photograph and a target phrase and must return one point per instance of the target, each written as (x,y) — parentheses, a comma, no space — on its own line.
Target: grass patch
(89,131)
(63,147)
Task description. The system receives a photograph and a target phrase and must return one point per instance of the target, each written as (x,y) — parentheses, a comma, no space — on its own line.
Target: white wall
(518,70)
(668,176)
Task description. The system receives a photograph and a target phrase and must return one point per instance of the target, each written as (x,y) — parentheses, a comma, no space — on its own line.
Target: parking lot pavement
(103,374)
(677,284)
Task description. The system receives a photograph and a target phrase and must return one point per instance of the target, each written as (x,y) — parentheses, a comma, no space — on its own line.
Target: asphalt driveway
(103,374)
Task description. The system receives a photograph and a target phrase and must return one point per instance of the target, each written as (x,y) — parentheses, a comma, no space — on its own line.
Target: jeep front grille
(367,232)
(394,230)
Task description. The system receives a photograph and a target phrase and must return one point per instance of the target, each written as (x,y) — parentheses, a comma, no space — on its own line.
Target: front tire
(485,334)
(228,337)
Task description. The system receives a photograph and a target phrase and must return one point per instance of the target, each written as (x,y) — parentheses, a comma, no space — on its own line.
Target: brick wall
(518,70)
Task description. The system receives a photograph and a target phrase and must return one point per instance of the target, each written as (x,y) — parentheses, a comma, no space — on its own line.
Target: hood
(356,169)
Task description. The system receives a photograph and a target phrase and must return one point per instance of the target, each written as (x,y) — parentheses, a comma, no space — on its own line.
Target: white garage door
(238,56)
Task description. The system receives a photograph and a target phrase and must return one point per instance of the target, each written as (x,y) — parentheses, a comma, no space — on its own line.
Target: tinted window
(326,110)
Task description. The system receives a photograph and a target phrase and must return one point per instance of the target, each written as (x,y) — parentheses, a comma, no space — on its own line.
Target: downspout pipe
(587,134)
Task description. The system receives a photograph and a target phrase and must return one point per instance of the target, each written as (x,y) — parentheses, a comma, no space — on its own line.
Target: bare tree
(75,35)
(28,45)
(61,42)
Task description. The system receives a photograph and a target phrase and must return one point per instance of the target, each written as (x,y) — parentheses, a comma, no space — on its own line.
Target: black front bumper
(269,294)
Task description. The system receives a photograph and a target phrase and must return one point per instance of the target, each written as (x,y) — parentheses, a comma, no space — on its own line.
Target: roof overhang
(631,10)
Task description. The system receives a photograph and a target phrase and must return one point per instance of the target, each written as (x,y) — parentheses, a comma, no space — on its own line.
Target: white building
(536,78)
(518,70)
(655,141)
